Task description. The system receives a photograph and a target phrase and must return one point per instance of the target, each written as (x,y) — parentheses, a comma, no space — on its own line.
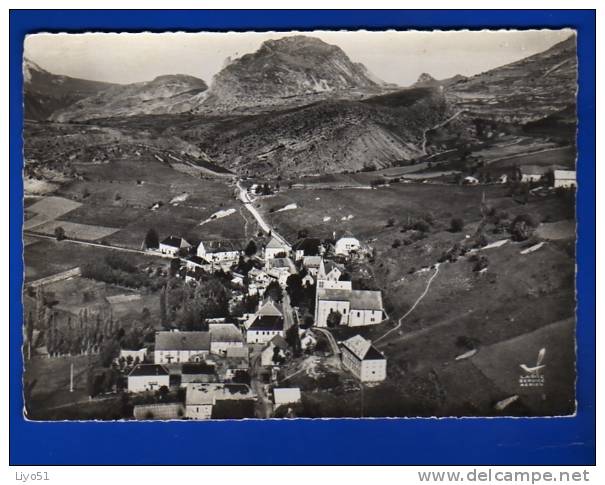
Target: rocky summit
(287,68)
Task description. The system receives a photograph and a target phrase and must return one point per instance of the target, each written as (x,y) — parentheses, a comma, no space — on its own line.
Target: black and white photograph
(288,225)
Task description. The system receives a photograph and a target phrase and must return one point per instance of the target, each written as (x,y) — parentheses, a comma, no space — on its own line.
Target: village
(224,370)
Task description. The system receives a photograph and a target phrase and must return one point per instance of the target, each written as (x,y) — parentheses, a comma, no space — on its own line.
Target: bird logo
(535,370)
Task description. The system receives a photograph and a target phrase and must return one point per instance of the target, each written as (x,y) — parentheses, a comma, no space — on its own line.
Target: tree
(59,233)
(274,291)
(522,227)
(334,318)
(294,288)
(250,249)
(456,224)
(152,240)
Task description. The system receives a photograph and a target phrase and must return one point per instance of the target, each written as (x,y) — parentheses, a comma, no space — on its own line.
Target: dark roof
(309,246)
(182,341)
(267,322)
(221,246)
(173,241)
(197,260)
(149,370)
(193,368)
(278,341)
(233,409)
(373,354)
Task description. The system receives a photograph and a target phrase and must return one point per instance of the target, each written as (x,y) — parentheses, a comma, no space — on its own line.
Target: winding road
(248,204)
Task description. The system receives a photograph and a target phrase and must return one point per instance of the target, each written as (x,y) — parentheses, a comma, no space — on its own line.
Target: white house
(347,245)
(148,377)
(275,247)
(172,245)
(224,336)
(363,360)
(312,264)
(266,324)
(564,178)
(356,307)
(176,347)
(201,398)
(219,251)
(286,395)
(329,271)
(308,280)
(269,351)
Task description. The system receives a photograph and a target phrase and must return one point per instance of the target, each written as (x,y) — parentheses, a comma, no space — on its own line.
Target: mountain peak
(288,67)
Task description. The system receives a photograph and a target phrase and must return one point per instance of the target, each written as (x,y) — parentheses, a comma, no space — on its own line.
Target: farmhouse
(176,347)
(564,178)
(347,245)
(276,349)
(266,324)
(172,245)
(224,336)
(363,360)
(148,377)
(198,372)
(220,251)
(236,359)
(201,398)
(312,264)
(286,395)
(194,262)
(275,247)
(280,269)
(356,307)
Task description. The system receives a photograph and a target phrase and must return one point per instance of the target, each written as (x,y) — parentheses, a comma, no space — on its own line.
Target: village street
(266,406)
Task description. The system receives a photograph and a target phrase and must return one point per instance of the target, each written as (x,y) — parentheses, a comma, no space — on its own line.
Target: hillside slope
(523,91)
(165,94)
(45,93)
(324,137)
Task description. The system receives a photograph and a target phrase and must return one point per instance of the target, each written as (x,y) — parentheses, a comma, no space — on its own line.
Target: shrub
(482,263)
(59,233)
(456,224)
(396,243)
(522,227)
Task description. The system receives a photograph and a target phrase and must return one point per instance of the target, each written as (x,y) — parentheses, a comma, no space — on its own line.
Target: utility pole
(71,377)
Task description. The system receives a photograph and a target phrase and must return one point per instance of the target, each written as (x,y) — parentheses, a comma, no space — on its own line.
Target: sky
(395,57)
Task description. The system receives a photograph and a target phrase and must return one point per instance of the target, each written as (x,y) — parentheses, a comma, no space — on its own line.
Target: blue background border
(409,441)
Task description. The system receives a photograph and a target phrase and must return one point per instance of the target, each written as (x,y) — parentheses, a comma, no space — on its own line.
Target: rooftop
(209,393)
(149,370)
(267,322)
(275,243)
(312,261)
(182,341)
(175,242)
(285,395)
(197,368)
(268,308)
(362,348)
(220,246)
(225,332)
(366,300)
